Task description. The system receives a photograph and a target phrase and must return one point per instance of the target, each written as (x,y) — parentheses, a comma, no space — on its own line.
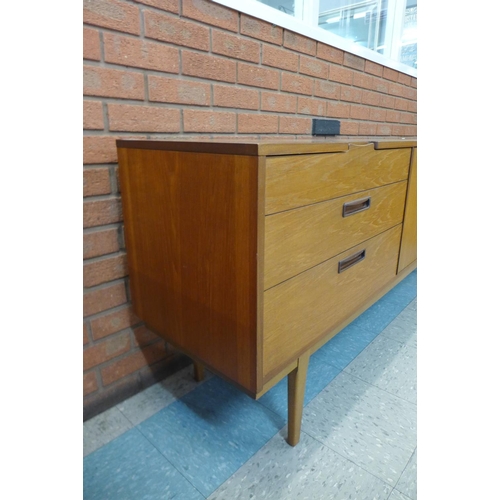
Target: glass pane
(409,36)
(286,6)
(363,22)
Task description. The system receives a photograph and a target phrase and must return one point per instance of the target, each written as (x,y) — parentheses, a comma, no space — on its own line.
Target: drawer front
(298,312)
(299,180)
(298,239)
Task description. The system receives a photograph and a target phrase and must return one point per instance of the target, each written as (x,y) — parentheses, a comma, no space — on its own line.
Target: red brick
(360,112)
(414,82)
(299,43)
(412,106)
(374,68)
(89,383)
(255,76)
(311,106)
(409,93)
(178,91)
(177,31)
(113,322)
(350,94)
(97,301)
(208,66)
(338,110)
(380,85)
(329,53)
(383,129)
(133,118)
(390,74)
(91,44)
(261,30)
(107,82)
(113,14)
(281,103)
(367,128)
(408,118)
(355,62)
(135,361)
(293,125)
(99,149)
(278,57)
(167,5)
(210,13)
(100,212)
(326,89)
(362,80)
(396,89)
(93,115)
(404,79)
(297,84)
(226,96)
(102,271)
(85,334)
(377,115)
(349,128)
(398,129)
(209,121)
(234,46)
(340,74)
(386,101)
(393,116)
(257,124)
(411,131)
(143,336)
(401,104)
(137,53)
(96,181)
(99,243)
(106,350)
(313,67)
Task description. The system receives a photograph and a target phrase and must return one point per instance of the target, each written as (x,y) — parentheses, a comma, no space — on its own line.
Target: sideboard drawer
(298,239)
(298,312)
(295,181)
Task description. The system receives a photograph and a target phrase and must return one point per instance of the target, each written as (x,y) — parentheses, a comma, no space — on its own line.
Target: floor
(191,441)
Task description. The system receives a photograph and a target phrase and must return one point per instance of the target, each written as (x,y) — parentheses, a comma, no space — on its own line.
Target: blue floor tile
(211,432)
(131,468)
(319,375)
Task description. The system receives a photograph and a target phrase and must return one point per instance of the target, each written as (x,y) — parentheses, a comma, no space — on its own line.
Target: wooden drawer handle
(352,260)
(353,207)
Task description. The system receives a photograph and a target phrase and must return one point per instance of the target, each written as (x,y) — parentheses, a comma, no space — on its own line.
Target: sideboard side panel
(191,237)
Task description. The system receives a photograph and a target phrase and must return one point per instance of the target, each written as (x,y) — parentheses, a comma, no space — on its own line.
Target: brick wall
(163,68)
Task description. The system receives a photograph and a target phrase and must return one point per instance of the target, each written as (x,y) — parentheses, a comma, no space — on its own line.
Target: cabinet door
(408,253)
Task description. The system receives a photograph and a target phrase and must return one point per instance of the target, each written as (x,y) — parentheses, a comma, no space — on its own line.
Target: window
(384,31)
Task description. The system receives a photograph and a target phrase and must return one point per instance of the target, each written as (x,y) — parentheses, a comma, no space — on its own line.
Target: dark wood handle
(352,260)
(353,207)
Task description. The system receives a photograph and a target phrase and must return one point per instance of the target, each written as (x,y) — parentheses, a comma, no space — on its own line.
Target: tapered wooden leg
(296,390)
(199,371)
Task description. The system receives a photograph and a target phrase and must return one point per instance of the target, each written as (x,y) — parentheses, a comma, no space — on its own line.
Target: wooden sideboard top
(265,147)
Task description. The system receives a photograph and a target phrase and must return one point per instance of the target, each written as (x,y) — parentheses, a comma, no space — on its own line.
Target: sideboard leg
(199,371)
(296,390)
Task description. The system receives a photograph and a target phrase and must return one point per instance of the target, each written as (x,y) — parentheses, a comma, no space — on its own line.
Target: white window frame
(308,27)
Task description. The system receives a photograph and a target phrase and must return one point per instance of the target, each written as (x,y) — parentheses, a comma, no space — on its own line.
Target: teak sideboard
(249,256)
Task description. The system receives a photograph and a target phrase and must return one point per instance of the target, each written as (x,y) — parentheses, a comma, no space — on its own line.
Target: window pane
(286,6)
(409,37)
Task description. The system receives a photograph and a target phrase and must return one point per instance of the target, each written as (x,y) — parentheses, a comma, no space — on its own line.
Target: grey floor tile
(388,365)
(103,428)
(404,327)
(407,483)
(372,428)
(308,471)
(153,399)
(397,495)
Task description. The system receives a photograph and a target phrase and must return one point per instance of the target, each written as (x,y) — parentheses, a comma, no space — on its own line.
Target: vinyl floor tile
(407,483)
(404,327)
(309,471)
(396,495)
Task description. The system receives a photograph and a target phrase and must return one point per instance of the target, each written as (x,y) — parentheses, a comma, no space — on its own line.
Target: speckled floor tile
(404,327)
(150,401)
(370,427)
(210,432)
(407,483)
(388,365)
(396,495)
(103,428)
(308,471)
(131,468)
(345,346)
(319,375)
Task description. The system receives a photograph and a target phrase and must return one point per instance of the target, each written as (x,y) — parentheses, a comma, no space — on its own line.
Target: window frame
(274,16)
